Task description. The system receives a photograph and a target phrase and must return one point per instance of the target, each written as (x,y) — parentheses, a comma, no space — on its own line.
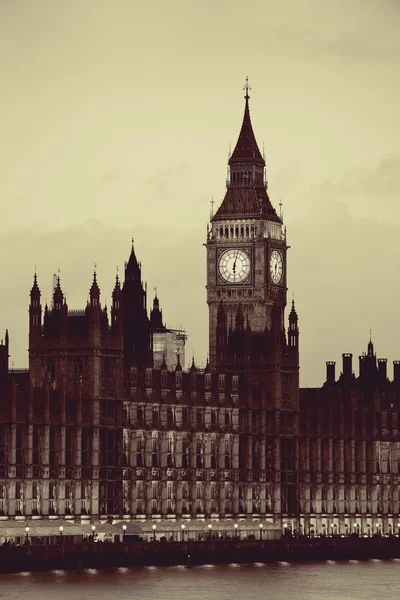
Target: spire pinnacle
(247,88)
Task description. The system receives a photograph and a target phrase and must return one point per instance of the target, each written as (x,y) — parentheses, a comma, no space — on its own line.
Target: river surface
(350,580)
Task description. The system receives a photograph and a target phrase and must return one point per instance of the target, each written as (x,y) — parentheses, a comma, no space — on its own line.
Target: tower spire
(246,149)
(247,88)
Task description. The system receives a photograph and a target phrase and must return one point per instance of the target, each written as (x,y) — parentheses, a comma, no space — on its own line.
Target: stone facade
(106,425)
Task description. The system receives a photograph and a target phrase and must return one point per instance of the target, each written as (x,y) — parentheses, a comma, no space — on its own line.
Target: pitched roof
(245,203)
(246,149)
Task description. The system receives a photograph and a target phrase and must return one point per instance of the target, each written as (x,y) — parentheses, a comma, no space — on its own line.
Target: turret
(293,333)
(116,309)
(156,321)
(93,308)
(35,314)
(136,324)
(58,296)
(4,355)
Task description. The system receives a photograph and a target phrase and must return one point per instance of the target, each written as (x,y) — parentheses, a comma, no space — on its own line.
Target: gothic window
(164,378)
(213,417)
(170,416)
(149,377)
(170,450)
(69,447)
(235,383)
(227,454)
(52,448)
(252,231)
(139,450)
(185,462)
(221,383)
(200,417)
(18,490)
(199,455)
(51,369)
(156,416)
(213,455)
(226,232)
(154,451)
(247,231)
(242,231)
(221,232)
(231,232)
(133,376)
(237,232)
(178,378)
(207,381)
(185,418)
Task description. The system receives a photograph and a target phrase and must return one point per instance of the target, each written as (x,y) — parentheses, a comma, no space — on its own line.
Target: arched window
(252,231)
(221,232)
(226,232)
(231,232)
(247,231)
(242,231)
(237,232)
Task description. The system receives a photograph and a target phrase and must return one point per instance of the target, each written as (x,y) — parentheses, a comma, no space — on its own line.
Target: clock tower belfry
(246,248)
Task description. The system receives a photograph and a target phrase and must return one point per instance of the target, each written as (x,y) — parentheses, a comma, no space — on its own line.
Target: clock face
(234,265)
(276,267)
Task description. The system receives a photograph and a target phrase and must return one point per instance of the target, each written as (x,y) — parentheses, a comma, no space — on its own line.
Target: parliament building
(106,424)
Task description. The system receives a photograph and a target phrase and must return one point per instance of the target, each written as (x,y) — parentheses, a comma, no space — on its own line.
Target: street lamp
(209,530)
(261,529)
(27,529)
(93,528)
(61,529)
(183,531)
(123,529)
(154,527)
(236,529)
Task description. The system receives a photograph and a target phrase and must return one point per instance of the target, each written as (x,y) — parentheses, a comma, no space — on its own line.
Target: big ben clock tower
(246,250)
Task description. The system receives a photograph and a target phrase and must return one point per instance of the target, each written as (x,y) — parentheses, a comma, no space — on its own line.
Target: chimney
(396,371)
(347,366)
(330,372)
(382,369)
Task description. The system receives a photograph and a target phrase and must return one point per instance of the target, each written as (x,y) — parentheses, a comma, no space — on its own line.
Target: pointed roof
(156,315)
(293,313)
(251,200)
(246,149)
(35,291)
(58,295)
(94,290)
(132,267)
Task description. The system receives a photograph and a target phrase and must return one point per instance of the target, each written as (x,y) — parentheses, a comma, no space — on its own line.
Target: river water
(350,580)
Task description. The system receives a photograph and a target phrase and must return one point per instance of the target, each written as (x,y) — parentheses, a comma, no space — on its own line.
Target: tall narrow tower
(246,246)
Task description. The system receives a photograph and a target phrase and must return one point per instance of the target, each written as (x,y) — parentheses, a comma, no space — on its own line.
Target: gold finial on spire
(247,88)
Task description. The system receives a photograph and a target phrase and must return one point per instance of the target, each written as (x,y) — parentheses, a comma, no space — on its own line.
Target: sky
(116,118)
